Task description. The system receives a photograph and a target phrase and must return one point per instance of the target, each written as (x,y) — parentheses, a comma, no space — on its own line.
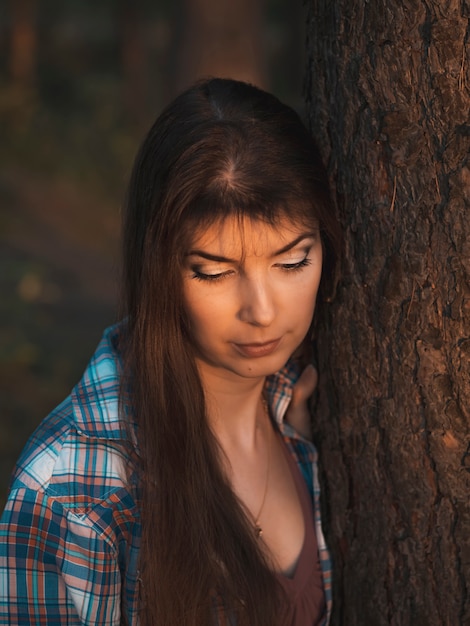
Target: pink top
(305,604)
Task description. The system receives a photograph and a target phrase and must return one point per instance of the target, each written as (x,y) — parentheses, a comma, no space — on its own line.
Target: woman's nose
(256,303)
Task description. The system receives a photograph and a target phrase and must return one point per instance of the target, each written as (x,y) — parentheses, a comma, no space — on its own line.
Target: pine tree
(388,93)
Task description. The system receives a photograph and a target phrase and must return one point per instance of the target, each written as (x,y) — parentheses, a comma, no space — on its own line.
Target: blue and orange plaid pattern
(70,532)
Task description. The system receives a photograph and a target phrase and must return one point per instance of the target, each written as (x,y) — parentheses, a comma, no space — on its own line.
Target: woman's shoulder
(79,454)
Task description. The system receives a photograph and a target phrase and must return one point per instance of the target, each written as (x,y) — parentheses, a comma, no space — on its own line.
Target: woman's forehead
(243,234)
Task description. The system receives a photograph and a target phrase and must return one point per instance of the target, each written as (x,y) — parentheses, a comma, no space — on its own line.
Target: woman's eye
(292,267)
(198,275)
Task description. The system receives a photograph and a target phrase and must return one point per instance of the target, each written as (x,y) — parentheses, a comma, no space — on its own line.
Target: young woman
(177,484)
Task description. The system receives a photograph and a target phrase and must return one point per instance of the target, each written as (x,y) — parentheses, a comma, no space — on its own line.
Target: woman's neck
(235,408)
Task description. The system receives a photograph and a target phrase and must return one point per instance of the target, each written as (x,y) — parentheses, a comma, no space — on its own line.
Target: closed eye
(198,275)
(293,267)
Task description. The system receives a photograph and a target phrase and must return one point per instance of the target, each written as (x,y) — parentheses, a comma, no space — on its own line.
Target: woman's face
(250,292)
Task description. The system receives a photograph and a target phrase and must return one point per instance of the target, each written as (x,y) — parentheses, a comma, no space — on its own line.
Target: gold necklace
(258,529)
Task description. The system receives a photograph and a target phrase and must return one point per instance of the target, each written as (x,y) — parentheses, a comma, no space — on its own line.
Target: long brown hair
(221,148)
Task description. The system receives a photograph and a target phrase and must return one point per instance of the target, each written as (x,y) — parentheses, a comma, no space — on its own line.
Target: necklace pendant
(258,531)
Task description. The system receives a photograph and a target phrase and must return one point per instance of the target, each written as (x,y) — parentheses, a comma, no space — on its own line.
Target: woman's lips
(253,350)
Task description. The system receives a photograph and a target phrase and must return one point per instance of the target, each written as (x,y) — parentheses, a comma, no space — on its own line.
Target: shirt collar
(278,388)
(95,399)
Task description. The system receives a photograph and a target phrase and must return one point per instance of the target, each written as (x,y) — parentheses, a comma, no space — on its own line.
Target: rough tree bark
(388,97)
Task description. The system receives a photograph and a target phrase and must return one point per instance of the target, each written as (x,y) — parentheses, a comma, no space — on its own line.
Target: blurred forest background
(80,82)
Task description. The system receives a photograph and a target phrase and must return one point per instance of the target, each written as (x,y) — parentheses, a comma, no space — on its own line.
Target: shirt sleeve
(55,568)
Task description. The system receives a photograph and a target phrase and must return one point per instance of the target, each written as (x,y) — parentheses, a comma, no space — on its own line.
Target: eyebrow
(222,259)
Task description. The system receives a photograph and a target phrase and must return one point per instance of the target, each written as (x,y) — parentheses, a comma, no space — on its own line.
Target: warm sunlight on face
(250,292)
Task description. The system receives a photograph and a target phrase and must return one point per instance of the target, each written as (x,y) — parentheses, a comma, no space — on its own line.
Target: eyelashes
(285,267)
(198,275)
(295,267)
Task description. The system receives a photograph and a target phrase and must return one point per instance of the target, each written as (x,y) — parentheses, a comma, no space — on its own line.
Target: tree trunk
(133,58)
(388,99)
(222,38)
(23,43)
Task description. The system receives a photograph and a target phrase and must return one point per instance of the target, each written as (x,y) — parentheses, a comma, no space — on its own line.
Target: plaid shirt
(69,535)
